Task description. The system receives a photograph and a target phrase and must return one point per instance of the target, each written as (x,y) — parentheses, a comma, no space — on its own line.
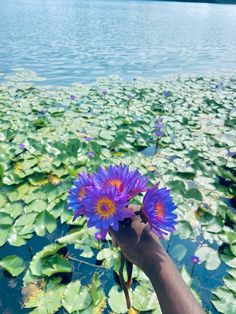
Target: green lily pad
(144,299)
(116,300)
(76,298)
(225,300)
(55,264)
(210,256)
(184,229)
(44,222)
(12,264)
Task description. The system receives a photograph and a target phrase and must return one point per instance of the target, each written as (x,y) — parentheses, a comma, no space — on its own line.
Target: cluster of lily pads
(50,134)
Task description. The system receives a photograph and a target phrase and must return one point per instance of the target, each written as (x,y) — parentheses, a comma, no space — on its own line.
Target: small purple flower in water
(218,86)
(104,92)
(88,138)
(90,154)
(159,133)
(159,127)
(159,123)
(22,146)
(166,93)
(98,235)
(230,153)
(41,113)
(195,259)
(130,96)
(233,110)
(72,97)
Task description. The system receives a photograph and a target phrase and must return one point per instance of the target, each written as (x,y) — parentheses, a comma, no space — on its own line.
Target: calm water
(68,41)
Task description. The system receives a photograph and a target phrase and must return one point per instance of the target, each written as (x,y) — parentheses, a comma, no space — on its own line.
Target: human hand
(136,241)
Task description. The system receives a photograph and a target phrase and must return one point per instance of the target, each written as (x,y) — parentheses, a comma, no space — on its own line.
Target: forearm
(173,294)
(143,248)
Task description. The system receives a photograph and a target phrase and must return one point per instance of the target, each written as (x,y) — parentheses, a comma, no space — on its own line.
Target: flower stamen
(105,207)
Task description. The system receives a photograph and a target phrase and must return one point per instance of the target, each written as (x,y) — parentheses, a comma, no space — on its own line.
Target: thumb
(113,237)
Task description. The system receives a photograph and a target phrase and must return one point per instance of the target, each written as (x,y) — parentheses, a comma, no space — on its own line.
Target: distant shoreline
(202,1)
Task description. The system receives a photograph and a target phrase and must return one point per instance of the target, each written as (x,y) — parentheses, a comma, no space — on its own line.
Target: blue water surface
(69,41)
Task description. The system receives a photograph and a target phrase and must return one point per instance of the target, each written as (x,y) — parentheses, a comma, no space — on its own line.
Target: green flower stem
(122,281)
(86,263)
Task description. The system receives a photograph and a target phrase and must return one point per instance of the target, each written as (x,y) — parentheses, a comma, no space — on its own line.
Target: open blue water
(68,41)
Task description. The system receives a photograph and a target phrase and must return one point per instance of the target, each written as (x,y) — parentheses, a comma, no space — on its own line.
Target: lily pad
(13,264)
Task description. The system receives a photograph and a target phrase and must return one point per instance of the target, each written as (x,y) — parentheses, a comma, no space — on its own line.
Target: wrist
(152,256)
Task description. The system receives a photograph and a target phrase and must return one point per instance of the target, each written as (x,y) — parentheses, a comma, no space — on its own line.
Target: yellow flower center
(105,207)
(81,193)
(159,210)
(117,183)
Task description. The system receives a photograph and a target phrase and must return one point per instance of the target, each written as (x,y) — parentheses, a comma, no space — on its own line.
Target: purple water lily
(87,138)
(166,93)
(233,110)
(230,153)
(157,209)
(90,154)
(72,97)
(195,259)
(77,194)
(159,133)
(104,92)
(98,235)
(127,182)
(130,96)
(104,198)
(159,125)
(105,208)
(218,87)
(22,146)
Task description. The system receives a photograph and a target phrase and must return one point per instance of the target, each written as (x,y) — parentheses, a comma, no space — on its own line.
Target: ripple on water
(75,40)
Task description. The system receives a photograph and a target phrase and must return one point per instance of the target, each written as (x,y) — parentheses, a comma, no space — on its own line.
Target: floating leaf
(194,193)
(44,222)
(46,302)
(184,229)
(55,264)
(116,300)
(36,267)
(210,256)
(13,264)
(144,299)
(228,258)
(225,300)
(76,298)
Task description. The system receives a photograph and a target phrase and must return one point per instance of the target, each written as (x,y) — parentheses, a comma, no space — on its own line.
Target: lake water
(68,41)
